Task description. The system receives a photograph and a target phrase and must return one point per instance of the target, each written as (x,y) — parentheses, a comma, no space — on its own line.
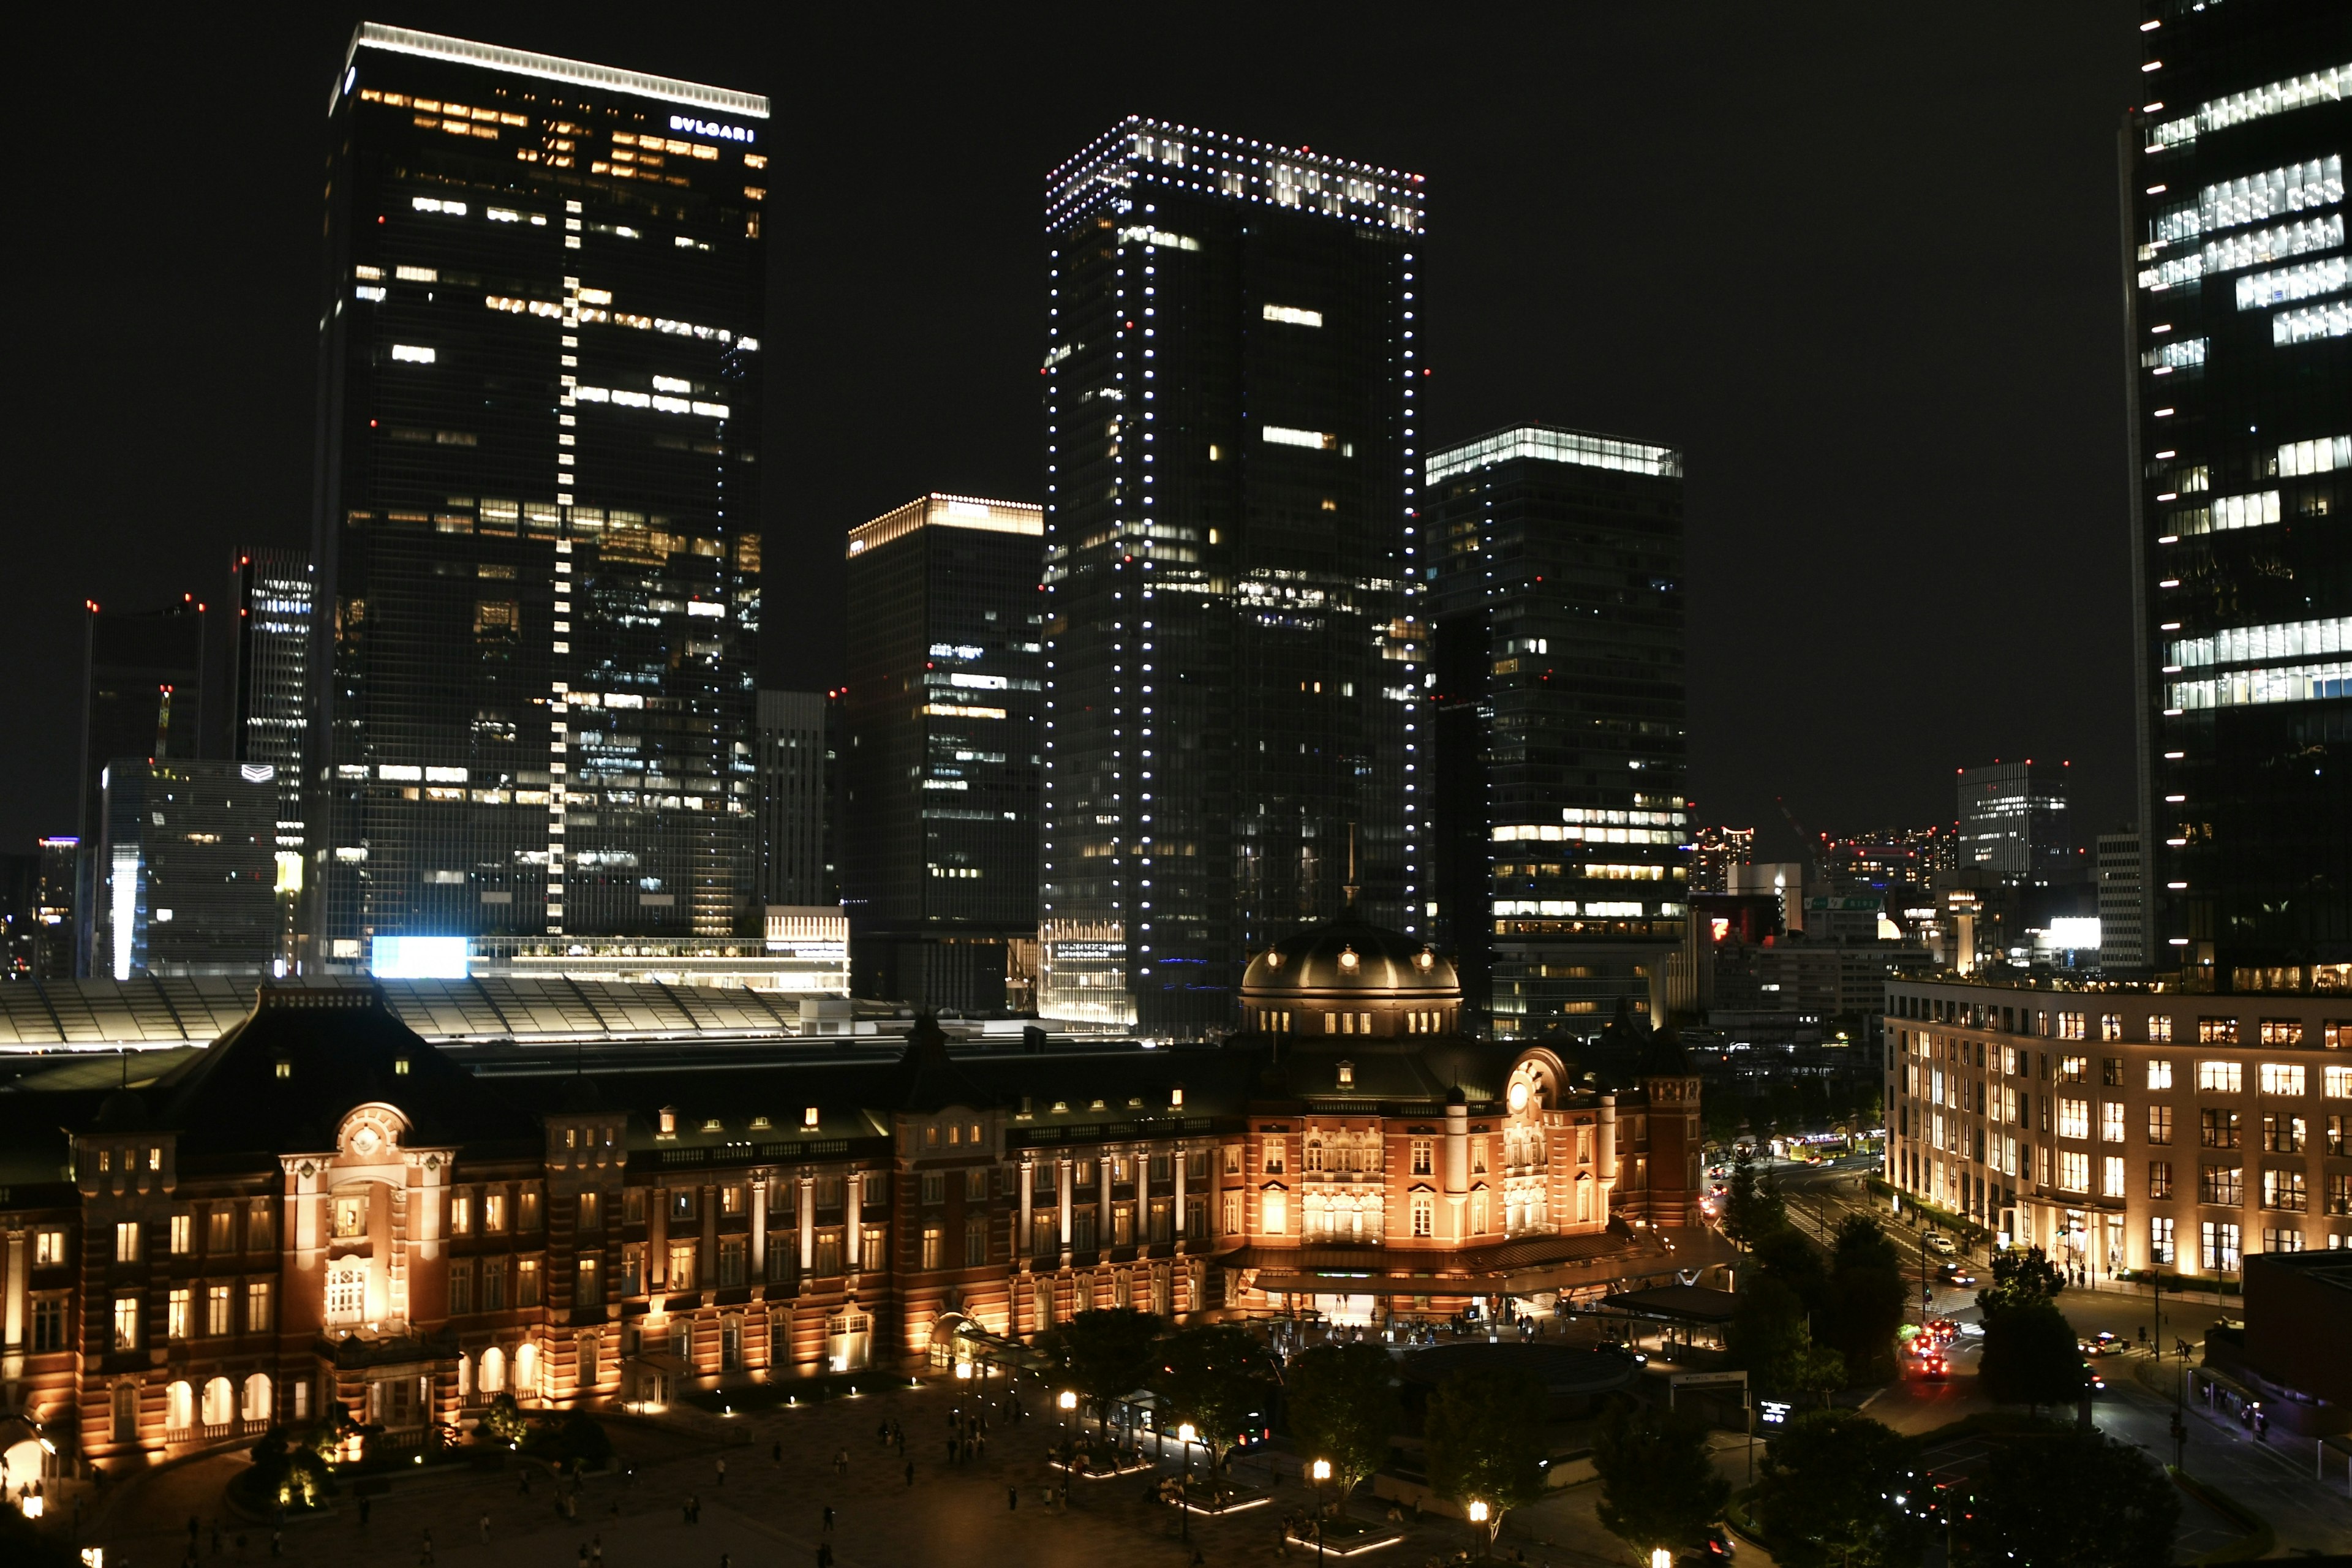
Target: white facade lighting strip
(549,67)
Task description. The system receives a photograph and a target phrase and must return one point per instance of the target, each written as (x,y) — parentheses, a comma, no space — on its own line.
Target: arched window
(179,1407)
(494,1372)
(220,1402)
(526,1370)
(591,1368)
(256,1398)
(465,1380)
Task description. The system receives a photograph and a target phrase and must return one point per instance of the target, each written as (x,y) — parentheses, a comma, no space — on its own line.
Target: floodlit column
(1028,1179)
(1069,1167)
(808,1224)
(853,1215)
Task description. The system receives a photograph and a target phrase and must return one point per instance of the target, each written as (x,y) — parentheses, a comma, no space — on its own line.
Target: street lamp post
(1479,1514)
(1322,1472)
(1185,1434)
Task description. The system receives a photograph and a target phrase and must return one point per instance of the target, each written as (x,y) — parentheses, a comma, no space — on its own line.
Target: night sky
(1860,262)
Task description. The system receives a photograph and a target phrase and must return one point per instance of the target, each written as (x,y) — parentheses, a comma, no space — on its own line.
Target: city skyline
(1508,285)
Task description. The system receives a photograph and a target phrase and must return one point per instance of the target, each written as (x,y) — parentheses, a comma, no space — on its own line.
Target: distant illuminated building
(268,697)
(2012,822)
(538,559)
(2123,905)
(54,907)
(939,863)
(1713,851)
(795,859)
(189,881)
(1559,757)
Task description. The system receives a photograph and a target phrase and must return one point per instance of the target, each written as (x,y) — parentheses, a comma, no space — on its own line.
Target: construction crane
(1817,862)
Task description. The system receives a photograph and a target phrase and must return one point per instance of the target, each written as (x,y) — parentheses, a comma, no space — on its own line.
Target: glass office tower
(267,697)
(2240,385)
(1557,695)
(533,678)
(939,854)
(2013,825)
(1233,657)
(794,858)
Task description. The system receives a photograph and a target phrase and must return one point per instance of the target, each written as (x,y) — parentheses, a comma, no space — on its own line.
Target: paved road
(2281,1487)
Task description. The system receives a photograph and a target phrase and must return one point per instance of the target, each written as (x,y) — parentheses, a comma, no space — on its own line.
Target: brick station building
(319,1206)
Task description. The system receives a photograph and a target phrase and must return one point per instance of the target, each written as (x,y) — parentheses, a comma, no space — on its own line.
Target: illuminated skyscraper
(939,861)
(1559,696)
(2013,824)
(1233,657)
(2241,319)
(532,672)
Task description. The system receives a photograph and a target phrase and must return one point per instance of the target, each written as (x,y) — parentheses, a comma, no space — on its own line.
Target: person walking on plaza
(723,1471)
(1011,1499)
(485,1527)
(910,1474)
(841,1462)
(828,1518)
(428,1558)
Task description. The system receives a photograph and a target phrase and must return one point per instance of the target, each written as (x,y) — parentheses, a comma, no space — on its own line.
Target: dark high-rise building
(1233,657)
(793,860)
(265,692)
(142,693)
(270,594)
(532,675)
(188,876)
(939,863)
(2013,825)
(20,914)
(1558,688)
(2241,319)
(142,698)
(57,907)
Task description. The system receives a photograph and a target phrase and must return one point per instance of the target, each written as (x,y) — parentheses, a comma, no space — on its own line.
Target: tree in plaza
(1215,1376)
(1788,1256)
(2030,1356)
(1827,1494)
(1658,1485)
(1720,1115)
(1104,1354)
(2021,1277)
(1486,1437)
(1770,1336)
(1753,1207)
(2069,1500)
(1343,1408)
(1865,1298)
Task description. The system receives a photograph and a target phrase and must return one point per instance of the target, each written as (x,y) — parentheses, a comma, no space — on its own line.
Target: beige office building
(2124,1129)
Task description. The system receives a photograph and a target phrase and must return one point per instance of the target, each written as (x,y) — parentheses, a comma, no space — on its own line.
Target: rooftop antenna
(1348,887)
